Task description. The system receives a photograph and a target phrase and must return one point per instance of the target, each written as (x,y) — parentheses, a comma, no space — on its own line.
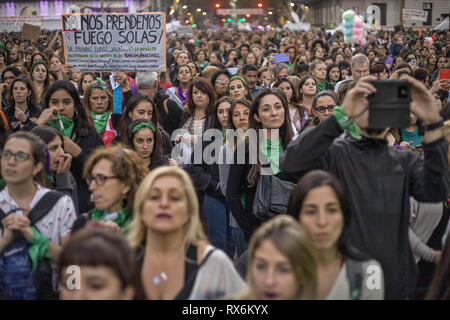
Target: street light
(292,4)
(185,7)
(199,10)
(204,13)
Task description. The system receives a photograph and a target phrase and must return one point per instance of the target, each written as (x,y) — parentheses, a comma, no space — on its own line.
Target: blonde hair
(193,230)
(293,241)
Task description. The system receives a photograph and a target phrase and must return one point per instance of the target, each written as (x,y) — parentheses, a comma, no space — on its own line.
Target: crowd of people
(330,209)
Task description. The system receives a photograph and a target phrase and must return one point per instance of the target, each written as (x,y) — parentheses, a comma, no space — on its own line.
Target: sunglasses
(322,109)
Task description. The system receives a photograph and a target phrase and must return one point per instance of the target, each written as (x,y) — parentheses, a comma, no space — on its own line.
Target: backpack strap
(191,271)
(5,121)
(355,277)
(166,108)
(44,206)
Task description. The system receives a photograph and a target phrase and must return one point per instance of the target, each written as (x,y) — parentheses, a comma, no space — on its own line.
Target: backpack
(354,277)
(16,278)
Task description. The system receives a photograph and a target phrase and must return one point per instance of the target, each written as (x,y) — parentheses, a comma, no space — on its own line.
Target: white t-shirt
(55,225)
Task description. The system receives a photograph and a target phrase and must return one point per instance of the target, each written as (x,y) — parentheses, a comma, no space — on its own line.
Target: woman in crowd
(232,58)
(319,203)
(36,57)
(176,260)
(197,119)
(269,111)
(58,176)
(140,107)
(264,77)
(206,178)
(412,135)
(23,160)
(113,176)
(333,74)
(146,140)
(98,101)
(308,89)
(250,59)
(323,105)
(23,107)
(219,81)
(65,112)
(106,263)
(201,59)
(237,88)
(261,61)
(182,58)
(430,65)
(85,82)
(298,114)
(179,92)
(214,57)
(56,65)
(194,69)
(318,71)
(41,81)
(380,70)
(346,70)
(282,262)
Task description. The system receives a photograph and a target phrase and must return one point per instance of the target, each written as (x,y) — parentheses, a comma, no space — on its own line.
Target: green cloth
(321,86)
(39,249)
(346,123)
(68,125)
(100,120)
(2,184)
(123,217)
(272,151)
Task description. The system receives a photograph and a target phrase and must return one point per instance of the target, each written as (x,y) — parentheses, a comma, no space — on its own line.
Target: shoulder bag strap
(44,206)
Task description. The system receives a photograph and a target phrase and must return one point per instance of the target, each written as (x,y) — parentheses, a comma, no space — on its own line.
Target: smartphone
(389,107)
(280,57)
(444,74)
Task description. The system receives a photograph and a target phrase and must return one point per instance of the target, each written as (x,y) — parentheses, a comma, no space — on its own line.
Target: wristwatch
(434,125)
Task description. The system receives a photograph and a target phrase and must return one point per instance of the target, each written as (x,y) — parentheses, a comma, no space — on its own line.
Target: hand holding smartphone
(389,106)
(280,57)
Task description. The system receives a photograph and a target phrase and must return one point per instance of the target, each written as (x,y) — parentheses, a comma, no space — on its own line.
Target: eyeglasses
(322,109)
(19,156)
(222,81)
(99,179)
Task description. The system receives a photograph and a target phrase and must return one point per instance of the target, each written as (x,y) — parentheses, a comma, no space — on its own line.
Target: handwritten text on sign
(115,42)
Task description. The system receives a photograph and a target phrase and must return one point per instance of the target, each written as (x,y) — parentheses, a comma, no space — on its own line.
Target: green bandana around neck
(273,153)
(123,217)
(321,85)
(100,120)
(67,126)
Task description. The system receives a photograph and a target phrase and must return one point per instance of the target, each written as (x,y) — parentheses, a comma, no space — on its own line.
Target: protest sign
(30,32)
(115,42)
(15,23)
(414,15)
(185,31)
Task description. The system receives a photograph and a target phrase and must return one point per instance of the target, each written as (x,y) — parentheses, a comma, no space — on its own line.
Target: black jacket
(379,180)
(87,145)
(206,176)
(237,185)
(14,124)
(169,120)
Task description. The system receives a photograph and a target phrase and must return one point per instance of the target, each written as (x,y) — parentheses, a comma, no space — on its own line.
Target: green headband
(38,62)
(234,78)
(142,125)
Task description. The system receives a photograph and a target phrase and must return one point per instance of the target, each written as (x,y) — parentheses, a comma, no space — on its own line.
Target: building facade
(328,13)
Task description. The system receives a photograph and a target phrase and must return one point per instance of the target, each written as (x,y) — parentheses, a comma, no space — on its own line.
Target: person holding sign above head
(65,112)
(98,102)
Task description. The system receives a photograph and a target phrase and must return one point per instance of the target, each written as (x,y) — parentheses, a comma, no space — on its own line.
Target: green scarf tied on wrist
(67,126)
(346,123)
(123,218)
(39,249)
(100,120)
